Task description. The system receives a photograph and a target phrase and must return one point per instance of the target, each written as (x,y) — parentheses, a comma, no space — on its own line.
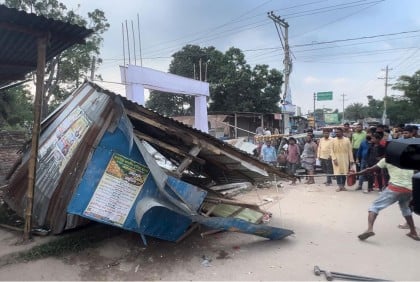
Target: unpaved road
(326,224)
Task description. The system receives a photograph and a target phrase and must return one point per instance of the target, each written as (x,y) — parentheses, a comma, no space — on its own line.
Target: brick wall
(11,143)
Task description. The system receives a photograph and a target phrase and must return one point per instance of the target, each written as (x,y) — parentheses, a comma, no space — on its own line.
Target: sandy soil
(326,224)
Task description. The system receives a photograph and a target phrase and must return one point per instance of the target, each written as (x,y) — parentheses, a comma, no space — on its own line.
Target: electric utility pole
(284,36)
(343,95)
(384,115)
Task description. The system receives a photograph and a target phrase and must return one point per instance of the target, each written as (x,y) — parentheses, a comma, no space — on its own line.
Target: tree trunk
(48,86)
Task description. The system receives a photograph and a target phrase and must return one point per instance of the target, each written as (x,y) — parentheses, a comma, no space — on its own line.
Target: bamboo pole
(39,92)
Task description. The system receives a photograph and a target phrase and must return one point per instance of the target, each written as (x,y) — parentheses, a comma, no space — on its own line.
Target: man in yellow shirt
(324,155)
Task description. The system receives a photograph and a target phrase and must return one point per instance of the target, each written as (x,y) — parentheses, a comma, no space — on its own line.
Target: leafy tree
(68,69)
(410,86)
(15,108)
(400,110)
(375,107)
(355,112)
(234,86)
(241,88)
(185,63)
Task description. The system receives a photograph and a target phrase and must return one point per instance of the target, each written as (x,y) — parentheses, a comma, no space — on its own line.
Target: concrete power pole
(287,60)
(384,115)
(281,25)
(343,95)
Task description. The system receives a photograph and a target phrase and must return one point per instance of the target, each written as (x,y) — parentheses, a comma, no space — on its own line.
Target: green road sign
(331,118)
(324,96)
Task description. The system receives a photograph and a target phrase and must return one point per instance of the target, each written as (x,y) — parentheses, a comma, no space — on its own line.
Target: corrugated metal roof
(18,40)
(216,163)
(223,163)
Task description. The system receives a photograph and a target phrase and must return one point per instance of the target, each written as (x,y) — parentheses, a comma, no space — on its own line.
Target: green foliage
(355,112)
(410,86)
(400,109)
(15,108)
(66,71)
(234,86)
(72,242)
(375,107)
(76,242)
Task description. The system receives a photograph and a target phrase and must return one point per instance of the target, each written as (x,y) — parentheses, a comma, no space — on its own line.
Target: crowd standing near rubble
(359,152)
(364,147)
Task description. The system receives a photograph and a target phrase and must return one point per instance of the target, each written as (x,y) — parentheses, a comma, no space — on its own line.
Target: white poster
(117,190)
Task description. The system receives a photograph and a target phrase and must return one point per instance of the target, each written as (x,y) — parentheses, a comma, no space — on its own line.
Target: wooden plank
(194,226)
(186,135)
(243,185)
(247,214)
(176,131)
(230,202)
(188,160)
(166,146)
(150,121)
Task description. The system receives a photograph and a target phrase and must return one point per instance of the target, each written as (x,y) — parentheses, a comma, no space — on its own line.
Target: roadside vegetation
(71,242)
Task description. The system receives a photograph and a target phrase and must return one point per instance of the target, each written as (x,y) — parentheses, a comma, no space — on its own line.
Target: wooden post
(236,126)
(39,92)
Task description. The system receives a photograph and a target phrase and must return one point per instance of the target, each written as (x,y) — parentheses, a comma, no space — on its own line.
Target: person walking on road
(357,138)
(308,158)
(324,155)
(399,190)
(362,159)
(342,158)
(292,157)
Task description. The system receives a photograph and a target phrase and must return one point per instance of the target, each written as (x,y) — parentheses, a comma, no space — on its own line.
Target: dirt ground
(326,225)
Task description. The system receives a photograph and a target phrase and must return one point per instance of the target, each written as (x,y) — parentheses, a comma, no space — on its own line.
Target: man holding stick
(399,190)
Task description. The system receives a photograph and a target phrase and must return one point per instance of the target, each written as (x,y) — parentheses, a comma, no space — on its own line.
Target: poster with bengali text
(59,148)
(117,190)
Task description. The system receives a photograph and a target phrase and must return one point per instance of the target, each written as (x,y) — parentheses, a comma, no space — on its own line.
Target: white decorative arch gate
(137,78)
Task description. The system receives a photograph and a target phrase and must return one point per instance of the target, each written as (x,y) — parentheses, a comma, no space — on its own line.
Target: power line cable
(355,38)
(361,53)
(252,25)
(324,10)
(212,29)
(335,21)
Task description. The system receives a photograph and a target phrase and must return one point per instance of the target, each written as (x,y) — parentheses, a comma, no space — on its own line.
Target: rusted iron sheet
(240,225)
(56,180)
(96,111)
(18,51)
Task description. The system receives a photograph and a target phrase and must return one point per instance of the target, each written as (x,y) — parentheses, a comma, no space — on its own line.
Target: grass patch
(72,242)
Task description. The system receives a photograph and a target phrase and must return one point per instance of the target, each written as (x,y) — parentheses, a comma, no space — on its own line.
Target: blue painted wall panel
(158,222)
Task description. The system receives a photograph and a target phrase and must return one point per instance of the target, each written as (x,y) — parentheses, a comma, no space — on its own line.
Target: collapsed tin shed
(94,164)
(28,41)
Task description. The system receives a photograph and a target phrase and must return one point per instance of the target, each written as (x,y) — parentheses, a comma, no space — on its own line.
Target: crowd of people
(353,153)
(337,152)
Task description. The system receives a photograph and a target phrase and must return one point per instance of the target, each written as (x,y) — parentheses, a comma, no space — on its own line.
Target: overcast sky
(351,67)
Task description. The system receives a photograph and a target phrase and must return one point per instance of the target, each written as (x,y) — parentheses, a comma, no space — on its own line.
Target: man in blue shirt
(269,153)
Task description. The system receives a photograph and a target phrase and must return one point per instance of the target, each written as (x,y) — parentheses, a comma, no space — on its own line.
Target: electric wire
(252,25)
